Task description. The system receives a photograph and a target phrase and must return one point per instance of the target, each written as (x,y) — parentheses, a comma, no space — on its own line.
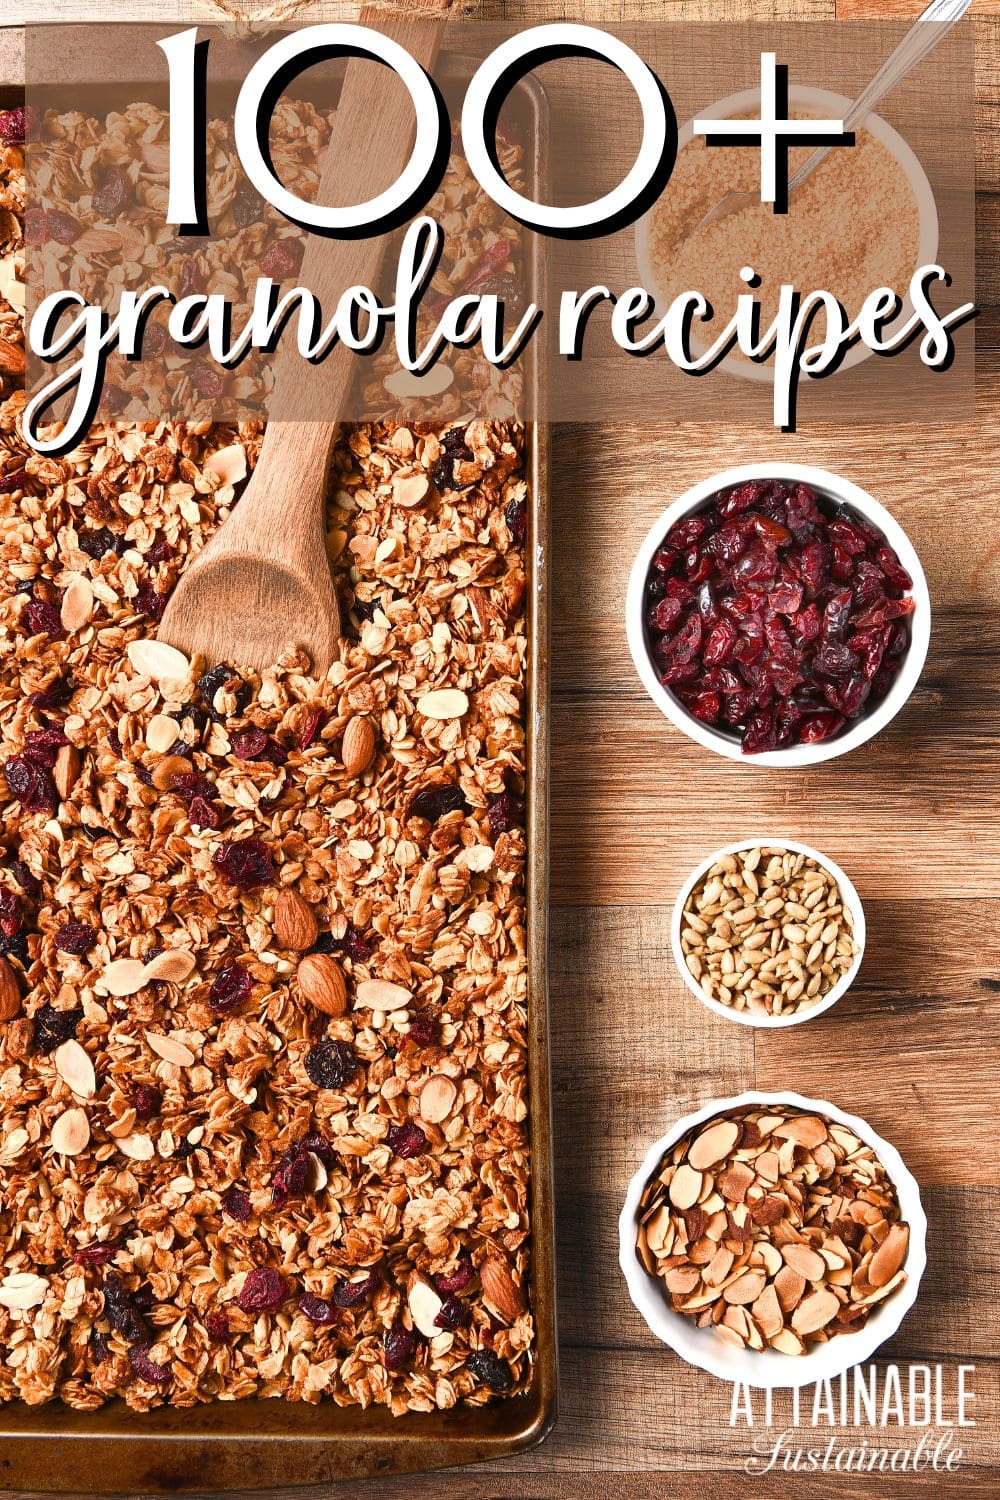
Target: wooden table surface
(914,820)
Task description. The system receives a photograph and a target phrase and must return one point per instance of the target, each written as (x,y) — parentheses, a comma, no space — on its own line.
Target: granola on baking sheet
(263,995)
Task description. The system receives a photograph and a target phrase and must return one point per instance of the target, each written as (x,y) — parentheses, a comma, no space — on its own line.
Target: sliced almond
(318,1175)
(815,1311)
(404,384)
(808,1263)
(125,976)
(424,1304)
(229,463)
(889,1256)
(767,1311)
(161,733)
(71,1132)
(137,1147)
(437,1099)
(786,1342)
(713,1144)
(171,967)
(681,1280)
(882,1291)
(719,1267)
(170,1049)
(77,604)
(804,1130)
(501,1293)
(158,661)
(409,489)
(380,994)
(75,1068)
(685,1187)
(21,1291)
(443,703)
(746,1288)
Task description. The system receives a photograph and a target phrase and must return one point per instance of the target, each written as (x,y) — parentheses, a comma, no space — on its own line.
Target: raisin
(148,1101)
(114,191)
(331,1064)
(121,1310)
(53,1027)
(248,207)
(490,1371)
(435,801)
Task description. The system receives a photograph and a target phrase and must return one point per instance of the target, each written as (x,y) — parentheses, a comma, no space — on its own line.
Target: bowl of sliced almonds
(773,1240)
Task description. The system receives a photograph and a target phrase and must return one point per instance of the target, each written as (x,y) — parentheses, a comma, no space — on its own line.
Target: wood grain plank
(524,1484)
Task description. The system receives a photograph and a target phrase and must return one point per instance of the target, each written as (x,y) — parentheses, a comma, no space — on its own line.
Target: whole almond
(322,983)
(12,358)
(500,1292)
(167,770)
(66,771)
(10,992)
(358,746)
(294,924)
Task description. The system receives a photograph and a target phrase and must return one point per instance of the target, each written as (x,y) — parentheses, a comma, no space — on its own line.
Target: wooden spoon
(264,579)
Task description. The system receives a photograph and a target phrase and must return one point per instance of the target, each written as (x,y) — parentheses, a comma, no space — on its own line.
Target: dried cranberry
(236,1205)
(114,191)
(232,988)
(148,1101)
(435,801)
(350,1293)
(516,516)
(146,1368)
(282,260)
(75,937)
(53,1027)
(311,727)
(248,208)
(505,810)
(28,883)
(264,1290)
(318,1310)
(354,946)
(150,602)
(423,1030)
(250,744)
(11,913)
(18,124)
(407,1140)
(97,1254)
(36,228)
(399,1346)
(457,1280)
(29,784)
(331,1064)
(41,746)
(62,227)
(42,618)
(217,1327)
(16,481)
(245,864)
(154,340)
(893,568)
(453,1314)
(208,380)
(204,814)
(490,1370)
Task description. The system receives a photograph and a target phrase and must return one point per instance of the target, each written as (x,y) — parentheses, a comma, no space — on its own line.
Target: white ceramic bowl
(837,489)
(769,1369)
(821,102)
(851,900)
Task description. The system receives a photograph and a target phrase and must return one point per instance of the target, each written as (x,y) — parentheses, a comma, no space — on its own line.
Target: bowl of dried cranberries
(777,613)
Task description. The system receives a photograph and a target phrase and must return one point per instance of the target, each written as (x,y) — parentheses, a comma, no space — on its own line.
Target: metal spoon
(916,44)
